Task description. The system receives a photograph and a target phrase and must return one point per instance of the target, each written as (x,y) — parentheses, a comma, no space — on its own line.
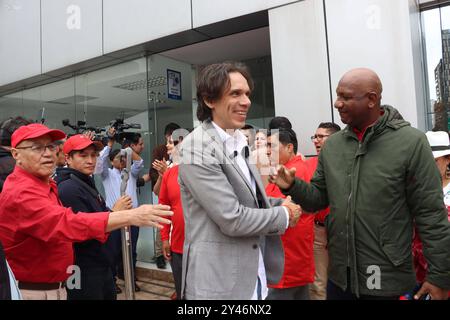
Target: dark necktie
(259,289)
(246,153)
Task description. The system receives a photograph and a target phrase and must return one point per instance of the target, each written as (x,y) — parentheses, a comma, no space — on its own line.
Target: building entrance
(151,91)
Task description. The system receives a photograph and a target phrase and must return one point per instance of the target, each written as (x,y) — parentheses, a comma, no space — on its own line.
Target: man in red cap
(77,190)
(37,232)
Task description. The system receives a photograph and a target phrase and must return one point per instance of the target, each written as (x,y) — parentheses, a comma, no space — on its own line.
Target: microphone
(245,153)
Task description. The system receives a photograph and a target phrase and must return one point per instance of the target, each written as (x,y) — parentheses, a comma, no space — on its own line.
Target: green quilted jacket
(377,190)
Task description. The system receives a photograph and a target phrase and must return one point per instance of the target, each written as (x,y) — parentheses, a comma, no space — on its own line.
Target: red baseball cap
(35,130)
(80,142)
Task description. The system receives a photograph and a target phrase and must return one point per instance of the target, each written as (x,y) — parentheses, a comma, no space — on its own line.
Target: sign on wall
(173,84)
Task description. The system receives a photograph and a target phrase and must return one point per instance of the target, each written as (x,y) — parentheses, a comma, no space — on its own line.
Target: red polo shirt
(37,232)
(297,241)
(170,195)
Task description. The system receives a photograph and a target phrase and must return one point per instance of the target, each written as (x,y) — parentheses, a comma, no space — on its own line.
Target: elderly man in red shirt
(37,232)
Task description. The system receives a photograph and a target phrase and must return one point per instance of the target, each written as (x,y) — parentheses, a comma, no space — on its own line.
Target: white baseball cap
(439,142)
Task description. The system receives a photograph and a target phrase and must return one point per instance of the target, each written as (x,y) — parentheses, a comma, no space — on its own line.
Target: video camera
(81,127)
(119,125)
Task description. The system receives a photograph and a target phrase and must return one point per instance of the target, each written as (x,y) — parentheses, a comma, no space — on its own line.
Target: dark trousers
(117,240)
(336,293)
(5,287)
(176,264)
(96,284)
(294,293)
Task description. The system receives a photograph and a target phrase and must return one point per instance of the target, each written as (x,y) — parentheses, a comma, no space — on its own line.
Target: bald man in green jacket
(379,178)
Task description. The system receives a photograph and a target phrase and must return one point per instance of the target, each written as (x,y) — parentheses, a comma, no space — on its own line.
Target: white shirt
(237,142)
(15,292)
(447,195)
(112,179)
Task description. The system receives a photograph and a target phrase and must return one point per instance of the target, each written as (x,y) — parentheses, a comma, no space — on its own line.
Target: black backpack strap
(5,285)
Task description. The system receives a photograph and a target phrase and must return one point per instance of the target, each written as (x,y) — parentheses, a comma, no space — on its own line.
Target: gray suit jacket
(223,223)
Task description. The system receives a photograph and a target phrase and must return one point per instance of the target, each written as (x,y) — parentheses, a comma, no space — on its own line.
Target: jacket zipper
(348,220)
(353,275)
(347,223)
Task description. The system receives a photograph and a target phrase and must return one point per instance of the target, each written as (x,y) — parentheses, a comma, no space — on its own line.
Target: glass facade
(436,36)
(150,91)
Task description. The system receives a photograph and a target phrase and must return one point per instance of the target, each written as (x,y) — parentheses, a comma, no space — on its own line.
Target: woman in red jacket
(172,236)
(297,241)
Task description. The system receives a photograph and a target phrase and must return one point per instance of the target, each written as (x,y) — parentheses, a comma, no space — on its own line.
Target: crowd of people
(242,214)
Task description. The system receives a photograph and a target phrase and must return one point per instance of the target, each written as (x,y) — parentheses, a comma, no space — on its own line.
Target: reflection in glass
(436,26)
(46,104)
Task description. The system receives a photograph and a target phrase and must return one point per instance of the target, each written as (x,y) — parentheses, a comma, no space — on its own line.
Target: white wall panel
(131,22)
(300,72)
(206,11)
(375,34)
(418,65)
(20,51)
(71,32)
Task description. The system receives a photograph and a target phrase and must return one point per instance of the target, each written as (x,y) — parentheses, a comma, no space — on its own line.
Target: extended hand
(295,211)
(149,215)
(160,166)
(124,203)
(435,292)
(89,134)
(283,177)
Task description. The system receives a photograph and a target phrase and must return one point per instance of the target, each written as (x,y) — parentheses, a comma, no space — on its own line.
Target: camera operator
(111,178)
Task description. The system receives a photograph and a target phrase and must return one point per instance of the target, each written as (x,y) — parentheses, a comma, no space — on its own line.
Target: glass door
(169,95)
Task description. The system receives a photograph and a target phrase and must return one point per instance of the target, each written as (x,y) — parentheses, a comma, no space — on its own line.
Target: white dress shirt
(15,292)
(237,142)
(112,179)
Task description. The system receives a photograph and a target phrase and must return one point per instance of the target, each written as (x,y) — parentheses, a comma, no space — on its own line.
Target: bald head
(363,79)
(359,97)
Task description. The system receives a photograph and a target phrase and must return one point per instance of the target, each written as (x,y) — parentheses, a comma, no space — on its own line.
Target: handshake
(295,211)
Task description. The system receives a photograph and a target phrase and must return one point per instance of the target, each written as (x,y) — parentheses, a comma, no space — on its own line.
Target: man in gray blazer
(232,247)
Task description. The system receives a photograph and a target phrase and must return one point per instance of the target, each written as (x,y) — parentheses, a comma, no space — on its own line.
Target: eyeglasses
(319,136)
(52,147)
